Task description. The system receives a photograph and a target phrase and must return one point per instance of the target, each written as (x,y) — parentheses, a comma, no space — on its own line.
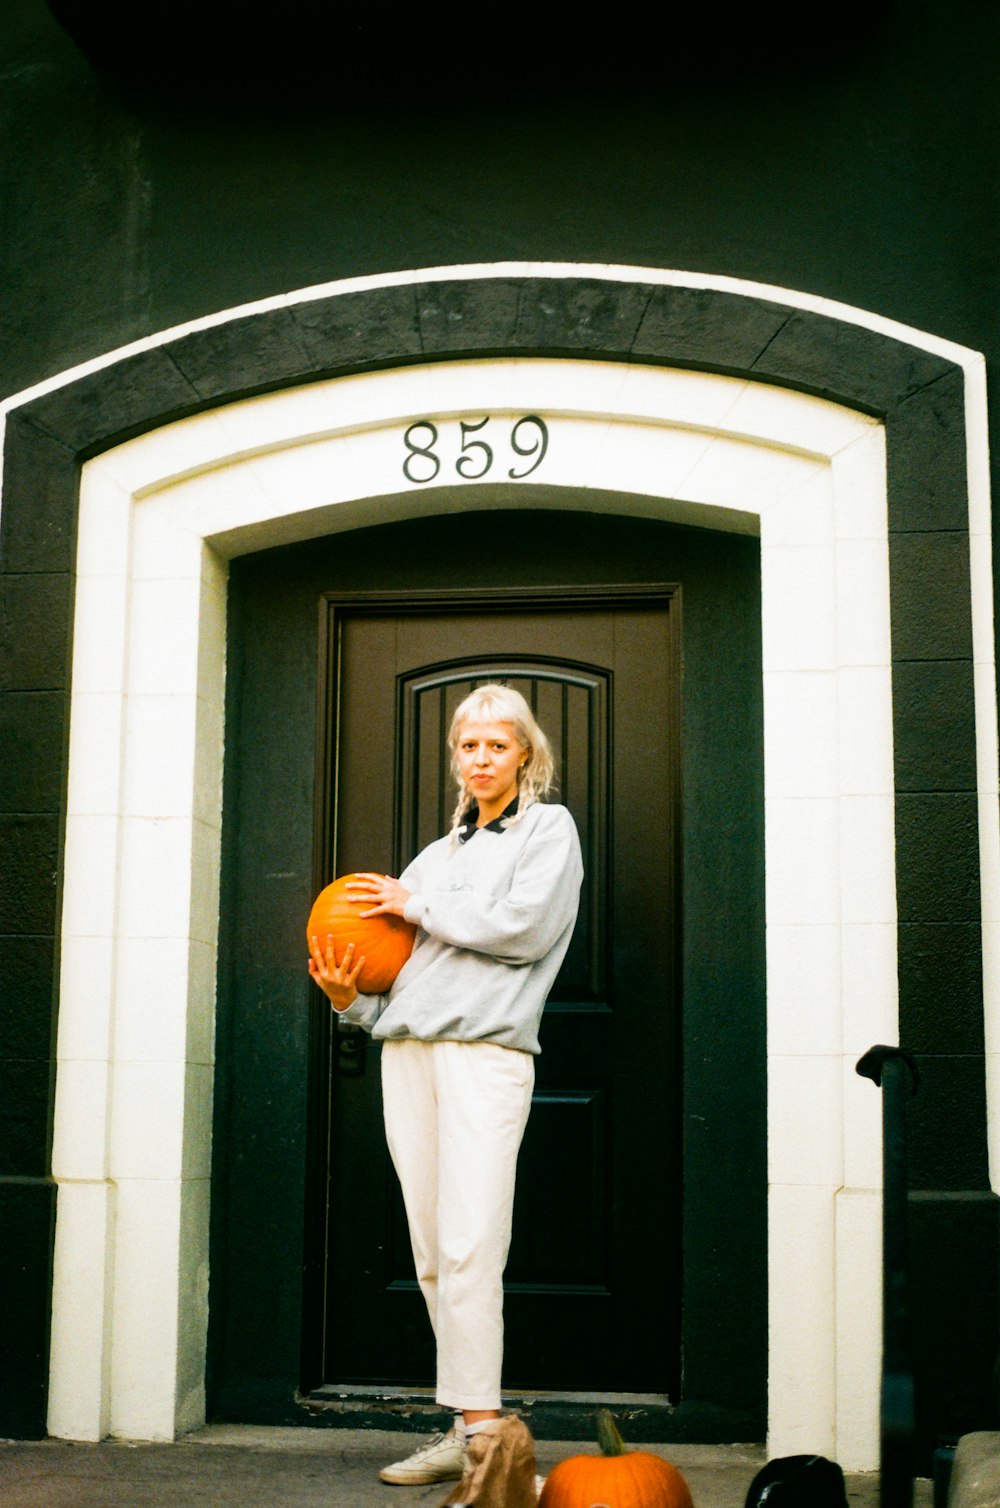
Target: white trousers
(455,1113)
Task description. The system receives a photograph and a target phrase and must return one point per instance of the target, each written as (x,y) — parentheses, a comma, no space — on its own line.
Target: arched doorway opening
(634,1224)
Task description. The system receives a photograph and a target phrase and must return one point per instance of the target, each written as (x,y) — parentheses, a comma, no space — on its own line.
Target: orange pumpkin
(385,941)
(615,1479)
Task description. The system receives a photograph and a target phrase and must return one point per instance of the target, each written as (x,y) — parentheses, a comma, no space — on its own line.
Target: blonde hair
(502,704)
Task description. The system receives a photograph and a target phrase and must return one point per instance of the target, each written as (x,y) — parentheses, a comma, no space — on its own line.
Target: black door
(593,1278)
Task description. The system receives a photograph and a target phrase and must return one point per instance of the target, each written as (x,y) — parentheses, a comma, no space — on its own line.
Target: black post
(894,1069)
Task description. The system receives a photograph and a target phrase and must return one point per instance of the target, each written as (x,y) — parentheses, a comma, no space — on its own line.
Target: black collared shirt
(468,827)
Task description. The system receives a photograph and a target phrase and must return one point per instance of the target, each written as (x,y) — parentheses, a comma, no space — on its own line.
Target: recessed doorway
(646,1180)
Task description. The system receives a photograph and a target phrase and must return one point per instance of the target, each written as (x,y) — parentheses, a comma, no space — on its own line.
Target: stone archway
(159,515)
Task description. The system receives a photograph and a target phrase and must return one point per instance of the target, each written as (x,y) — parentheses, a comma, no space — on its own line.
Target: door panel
(572,702)
(592,1281)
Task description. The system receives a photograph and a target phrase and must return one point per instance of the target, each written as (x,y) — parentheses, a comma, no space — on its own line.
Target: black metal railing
(895,1071)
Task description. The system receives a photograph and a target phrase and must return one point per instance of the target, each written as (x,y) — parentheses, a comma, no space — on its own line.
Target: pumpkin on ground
(385,941)
(618,1478)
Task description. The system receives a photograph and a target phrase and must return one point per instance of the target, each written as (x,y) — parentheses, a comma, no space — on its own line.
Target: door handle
(349,1050)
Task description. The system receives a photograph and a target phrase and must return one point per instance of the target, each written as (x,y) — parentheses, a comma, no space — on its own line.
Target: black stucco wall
(866,178)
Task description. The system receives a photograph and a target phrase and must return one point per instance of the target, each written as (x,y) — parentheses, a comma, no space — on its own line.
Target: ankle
(478,1420)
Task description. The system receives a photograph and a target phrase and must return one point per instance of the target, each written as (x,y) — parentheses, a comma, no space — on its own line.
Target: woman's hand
(337,981)
(380,893)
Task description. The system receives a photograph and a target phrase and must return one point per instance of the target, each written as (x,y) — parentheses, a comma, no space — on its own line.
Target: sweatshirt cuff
(414,910)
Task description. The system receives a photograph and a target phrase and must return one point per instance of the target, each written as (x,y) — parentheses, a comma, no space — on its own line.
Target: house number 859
(529,437)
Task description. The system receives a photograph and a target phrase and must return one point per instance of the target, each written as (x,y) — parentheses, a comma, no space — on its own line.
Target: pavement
(247,1466)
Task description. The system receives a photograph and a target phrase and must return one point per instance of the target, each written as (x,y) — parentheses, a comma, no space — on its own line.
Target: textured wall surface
(865,176)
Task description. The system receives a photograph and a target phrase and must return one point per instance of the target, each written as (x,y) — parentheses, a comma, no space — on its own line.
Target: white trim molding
(159,516)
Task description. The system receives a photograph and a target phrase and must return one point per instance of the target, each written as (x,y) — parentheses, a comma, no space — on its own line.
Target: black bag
(798,1482)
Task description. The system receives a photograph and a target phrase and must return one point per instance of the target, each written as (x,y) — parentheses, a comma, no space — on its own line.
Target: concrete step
(244,1466)
(975,1475)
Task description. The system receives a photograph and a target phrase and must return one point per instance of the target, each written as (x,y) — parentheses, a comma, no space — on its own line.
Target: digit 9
(537,450)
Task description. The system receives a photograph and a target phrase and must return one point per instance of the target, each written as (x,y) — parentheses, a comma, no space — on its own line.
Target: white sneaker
(442,1459)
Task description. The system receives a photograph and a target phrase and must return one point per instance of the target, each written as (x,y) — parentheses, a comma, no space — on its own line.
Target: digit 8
(427,451)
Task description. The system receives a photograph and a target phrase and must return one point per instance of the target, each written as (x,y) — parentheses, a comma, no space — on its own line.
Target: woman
(495,903)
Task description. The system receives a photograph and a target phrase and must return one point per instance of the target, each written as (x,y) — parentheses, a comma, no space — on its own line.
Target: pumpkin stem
(608,1435)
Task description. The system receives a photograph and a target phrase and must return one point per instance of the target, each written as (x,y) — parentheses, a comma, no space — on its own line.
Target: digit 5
(463,462)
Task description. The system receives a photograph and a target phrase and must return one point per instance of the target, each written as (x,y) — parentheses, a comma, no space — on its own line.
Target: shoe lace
(438,1438)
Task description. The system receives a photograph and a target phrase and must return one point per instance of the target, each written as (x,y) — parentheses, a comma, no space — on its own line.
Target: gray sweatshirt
(494,916)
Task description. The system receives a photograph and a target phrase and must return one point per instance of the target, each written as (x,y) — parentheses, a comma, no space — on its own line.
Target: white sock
(480,1424)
